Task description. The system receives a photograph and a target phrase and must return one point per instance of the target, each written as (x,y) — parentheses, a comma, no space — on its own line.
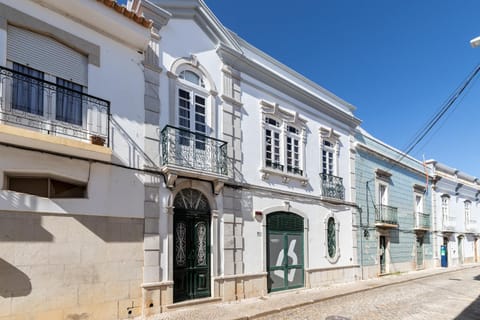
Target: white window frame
(327,135)
(336,257)
(193,90)
(382,199)
(50,104)
(419,205)
(445,209)
(468,212)
(285,120)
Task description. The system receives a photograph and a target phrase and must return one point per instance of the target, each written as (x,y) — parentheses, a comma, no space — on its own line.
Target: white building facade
(456,213)
(257,194)
(72,124)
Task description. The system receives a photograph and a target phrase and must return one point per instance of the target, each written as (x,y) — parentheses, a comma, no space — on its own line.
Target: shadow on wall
(113,229)
(23,227)
(14,283)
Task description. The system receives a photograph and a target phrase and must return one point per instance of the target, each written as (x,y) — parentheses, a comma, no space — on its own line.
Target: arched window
(192,77)
(331,238)
(192,112)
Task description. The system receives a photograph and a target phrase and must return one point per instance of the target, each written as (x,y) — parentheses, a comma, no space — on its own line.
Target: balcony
(192,154)
(448,223)
(32,103)
(332,186)
(386,216)
(422,221)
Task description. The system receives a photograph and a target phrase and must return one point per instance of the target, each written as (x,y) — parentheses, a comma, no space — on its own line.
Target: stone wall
(70,266)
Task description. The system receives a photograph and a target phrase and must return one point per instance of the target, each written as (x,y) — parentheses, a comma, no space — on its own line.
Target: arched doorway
(285,251)
(191,236)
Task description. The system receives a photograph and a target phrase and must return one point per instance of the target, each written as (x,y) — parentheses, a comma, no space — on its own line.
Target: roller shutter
(45,54)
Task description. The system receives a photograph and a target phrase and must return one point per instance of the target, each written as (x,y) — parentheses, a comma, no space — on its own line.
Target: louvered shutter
(45,54)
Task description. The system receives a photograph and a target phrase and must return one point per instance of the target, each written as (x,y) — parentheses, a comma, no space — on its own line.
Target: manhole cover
(336,318)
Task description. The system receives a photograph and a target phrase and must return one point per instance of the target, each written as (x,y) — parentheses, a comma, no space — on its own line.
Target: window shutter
(46,54)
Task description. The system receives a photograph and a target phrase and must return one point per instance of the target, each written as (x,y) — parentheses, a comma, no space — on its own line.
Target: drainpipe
(361,241)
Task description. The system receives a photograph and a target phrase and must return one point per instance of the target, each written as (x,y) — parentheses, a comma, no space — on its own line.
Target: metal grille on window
(201,244)
(331,238)
(191,199)
(180,245)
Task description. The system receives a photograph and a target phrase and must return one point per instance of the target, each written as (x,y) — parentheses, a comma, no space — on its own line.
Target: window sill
(286,177)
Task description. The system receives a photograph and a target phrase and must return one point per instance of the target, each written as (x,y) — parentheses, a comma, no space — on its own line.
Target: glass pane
(275,249)
(27,91)
(295,249)
(276,279)
(69,102)
(201,244)
(295,277)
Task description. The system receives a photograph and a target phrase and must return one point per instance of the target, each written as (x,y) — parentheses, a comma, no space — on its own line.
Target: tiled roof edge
(127,13)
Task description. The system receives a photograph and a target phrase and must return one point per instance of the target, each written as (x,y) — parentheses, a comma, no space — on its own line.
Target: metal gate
(284,251)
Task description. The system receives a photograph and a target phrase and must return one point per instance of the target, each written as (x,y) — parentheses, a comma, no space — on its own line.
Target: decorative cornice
(198,11)
(261,73)
(159,16)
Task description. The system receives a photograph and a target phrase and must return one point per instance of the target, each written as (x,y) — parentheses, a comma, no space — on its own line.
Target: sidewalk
(256,307)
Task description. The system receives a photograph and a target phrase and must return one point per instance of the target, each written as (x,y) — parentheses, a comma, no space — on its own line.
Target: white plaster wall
(253,92)
(119,79)
(290,76)
(181,39)
(315,249)
(112,191)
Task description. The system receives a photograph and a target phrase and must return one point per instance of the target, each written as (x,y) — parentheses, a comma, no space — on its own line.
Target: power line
(420,135)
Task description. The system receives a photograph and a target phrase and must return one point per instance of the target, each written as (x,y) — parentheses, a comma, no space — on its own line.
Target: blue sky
(396,61)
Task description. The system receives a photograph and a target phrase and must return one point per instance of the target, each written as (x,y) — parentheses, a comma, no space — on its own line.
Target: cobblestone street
(445,296)
(451,293)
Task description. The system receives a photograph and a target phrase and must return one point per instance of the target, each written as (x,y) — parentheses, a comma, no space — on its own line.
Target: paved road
(445,296)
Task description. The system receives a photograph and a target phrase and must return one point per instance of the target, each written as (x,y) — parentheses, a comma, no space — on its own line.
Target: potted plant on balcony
(97,140)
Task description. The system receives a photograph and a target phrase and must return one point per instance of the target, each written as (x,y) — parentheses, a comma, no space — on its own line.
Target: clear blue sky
(396,61)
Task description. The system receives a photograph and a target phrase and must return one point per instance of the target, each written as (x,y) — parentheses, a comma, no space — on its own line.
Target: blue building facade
(394,217)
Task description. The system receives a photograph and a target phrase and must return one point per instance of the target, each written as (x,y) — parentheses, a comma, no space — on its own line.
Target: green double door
(284,251)
(191,272)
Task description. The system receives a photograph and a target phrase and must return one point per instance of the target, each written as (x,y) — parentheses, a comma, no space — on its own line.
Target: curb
(310,302)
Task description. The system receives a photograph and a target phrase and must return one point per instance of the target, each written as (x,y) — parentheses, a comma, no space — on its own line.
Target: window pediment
(383,175)
(289,117)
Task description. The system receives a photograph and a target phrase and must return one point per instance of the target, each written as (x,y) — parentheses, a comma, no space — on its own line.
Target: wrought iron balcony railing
(332,186)
(192,150)
(386,215)
(449,223)
(44,106)
(422,221)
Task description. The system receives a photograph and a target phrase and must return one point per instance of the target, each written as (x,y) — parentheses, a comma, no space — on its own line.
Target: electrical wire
(421,134)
